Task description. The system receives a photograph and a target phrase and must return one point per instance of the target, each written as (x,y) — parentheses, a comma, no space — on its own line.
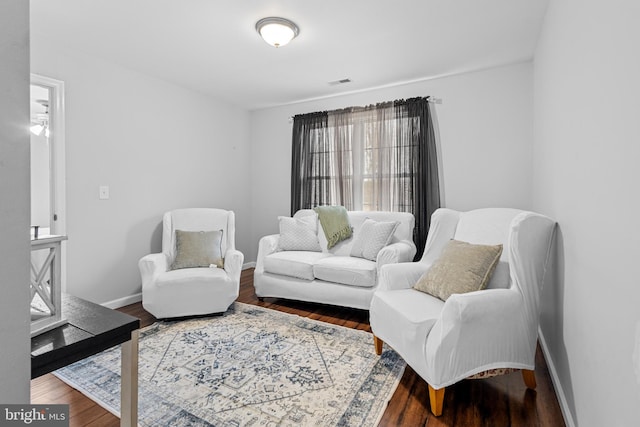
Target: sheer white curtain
(342,158)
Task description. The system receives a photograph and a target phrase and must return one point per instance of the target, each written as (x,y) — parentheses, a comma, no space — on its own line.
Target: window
(380,158)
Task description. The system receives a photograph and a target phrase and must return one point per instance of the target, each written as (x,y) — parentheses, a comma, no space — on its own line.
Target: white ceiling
(212,46)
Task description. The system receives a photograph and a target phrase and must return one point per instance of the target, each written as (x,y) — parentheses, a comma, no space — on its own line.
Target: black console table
(92,328)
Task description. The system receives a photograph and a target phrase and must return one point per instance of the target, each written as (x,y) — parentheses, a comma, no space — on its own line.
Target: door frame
(57,179)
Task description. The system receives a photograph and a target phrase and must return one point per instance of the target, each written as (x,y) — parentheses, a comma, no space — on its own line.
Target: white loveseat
(331,276)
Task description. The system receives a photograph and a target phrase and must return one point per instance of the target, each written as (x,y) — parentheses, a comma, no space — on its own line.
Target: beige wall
(586,176)
(14,205)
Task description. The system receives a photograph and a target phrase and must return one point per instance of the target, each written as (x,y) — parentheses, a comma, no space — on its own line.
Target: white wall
(586,176)
(486,135)
(157,146)
(14,201)
(40,175)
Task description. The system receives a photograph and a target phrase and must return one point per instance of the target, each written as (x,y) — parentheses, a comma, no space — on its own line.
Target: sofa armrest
(151,266)
(233,264)
(480,328)
(485,306)
(266,246)
(402,251)
(400,276)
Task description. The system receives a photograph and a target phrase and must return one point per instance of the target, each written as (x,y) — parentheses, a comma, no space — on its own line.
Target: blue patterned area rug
(250,367)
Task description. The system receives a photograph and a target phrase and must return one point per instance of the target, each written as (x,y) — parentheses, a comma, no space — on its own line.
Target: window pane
(367,194)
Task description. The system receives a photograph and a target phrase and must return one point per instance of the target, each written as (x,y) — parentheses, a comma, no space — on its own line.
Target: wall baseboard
(132,299)
(566,412)
(121,302)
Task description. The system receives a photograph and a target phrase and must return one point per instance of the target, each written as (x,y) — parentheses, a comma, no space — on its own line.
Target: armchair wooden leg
(436,398)
(377,342)
(529,378)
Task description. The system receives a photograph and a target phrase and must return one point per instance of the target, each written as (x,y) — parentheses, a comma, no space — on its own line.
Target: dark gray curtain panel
(425,184)
(308,167)
(381,157)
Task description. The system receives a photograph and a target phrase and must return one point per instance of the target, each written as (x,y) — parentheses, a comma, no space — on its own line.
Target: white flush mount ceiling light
(36,129)
(277,31)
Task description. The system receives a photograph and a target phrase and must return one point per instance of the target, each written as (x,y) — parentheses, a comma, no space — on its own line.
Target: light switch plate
(103,192)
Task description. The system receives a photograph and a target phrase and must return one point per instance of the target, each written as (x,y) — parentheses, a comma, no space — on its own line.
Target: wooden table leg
(436,398)
(378,343)
(129,382)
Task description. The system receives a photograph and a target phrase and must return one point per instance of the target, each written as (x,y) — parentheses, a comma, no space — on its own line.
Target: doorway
(48,200)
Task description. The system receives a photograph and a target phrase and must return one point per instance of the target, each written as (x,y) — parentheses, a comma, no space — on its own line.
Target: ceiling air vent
(340,82)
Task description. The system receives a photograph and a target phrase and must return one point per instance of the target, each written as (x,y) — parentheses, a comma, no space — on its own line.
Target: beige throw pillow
(462,267)
(198,249)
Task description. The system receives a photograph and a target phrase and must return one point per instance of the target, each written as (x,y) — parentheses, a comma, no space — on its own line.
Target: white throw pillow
(299,234)
(372,236)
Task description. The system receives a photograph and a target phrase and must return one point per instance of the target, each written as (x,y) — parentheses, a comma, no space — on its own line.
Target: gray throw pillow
(372,237)
(198,249)
(462,267)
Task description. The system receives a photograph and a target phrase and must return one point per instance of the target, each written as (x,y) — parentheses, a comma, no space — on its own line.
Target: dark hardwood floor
(495,402)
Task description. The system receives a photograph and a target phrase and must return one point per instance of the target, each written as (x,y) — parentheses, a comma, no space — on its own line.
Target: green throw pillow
(198,249)
(462,267)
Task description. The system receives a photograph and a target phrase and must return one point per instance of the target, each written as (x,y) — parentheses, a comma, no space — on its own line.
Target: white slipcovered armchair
(191,291)
(471,333)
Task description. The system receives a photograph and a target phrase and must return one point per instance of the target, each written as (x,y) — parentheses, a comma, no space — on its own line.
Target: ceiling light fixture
(277,31)
(40,122)
(37,129)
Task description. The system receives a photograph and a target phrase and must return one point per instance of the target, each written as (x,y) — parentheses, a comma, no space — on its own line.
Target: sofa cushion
(191,277)
(372,236)
(198,249)
(346,270)
(462,267)
(500,278)
(299,234)
(293,263)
